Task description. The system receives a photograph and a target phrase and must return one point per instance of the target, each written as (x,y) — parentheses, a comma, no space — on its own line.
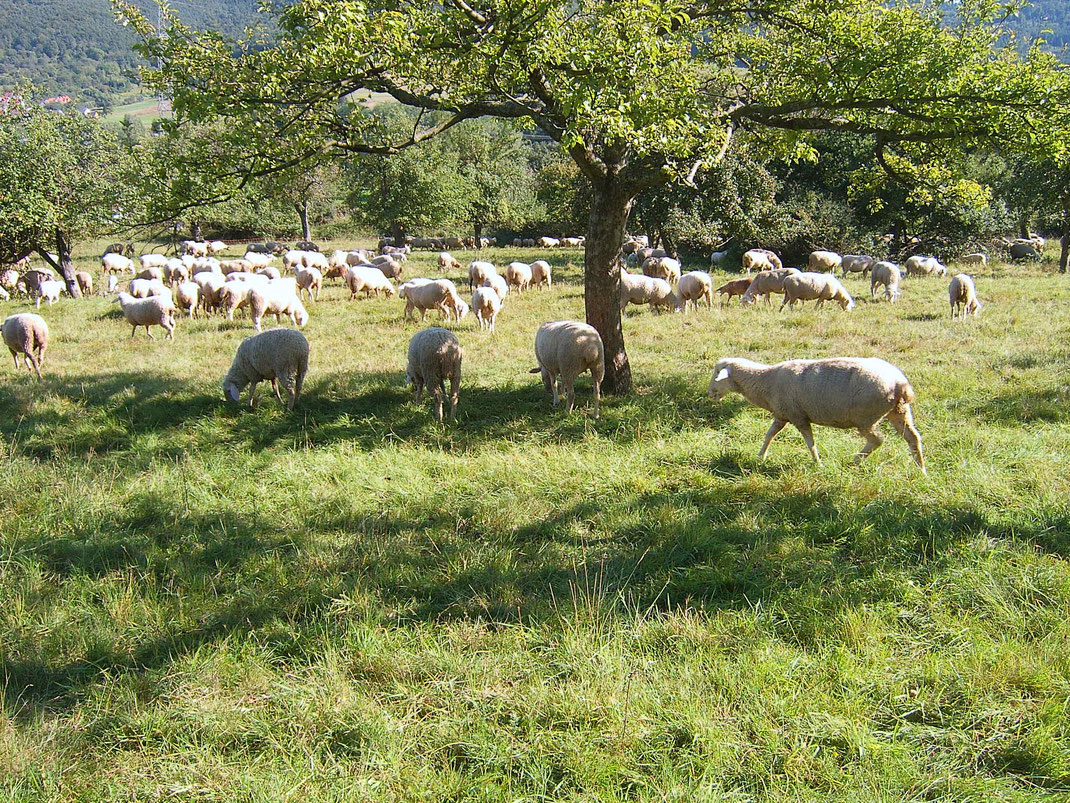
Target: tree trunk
(477,230)
(302,212)
(65,266)
(610,206)
(1023,227)
(667,243)
(397,231)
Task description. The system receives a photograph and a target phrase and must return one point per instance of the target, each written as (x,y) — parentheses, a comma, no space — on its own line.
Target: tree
(305,186)
(63,176)
(638,93)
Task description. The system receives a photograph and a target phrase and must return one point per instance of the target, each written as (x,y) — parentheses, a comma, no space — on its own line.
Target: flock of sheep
(842,392)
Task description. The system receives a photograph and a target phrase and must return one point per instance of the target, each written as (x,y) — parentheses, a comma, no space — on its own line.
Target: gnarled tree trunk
(65,266)
(302,212)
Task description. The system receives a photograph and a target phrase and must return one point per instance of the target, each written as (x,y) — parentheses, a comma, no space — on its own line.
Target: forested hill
(75,47)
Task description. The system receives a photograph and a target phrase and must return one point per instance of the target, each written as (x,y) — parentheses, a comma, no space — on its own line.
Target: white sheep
(765,283)
(478,271)
(152,311)
(258,260)
(635,289)
(760,259)
(217,247)
(195,248)
(924,266)
(963,295)
(370,280)
(548,242)
(842,392)
(277,355)
(85,282)
(540,273)
(486,305)
(188,297)
(278,298)
(446,261)
(694,286)
(233,296)
(820,286)
(564,350)
(663,267)
(434,356)
(518,275)
(857,263)
(113,283)
(888,274)
(153,261)
(309,280)
(116,263)
(389,265)
(718,258)
(271,272)
(823,261)
(424,294)
(152,272)
(50,291)
(26,334)
(210,284)
(143,288)
(229,266)
(977,258)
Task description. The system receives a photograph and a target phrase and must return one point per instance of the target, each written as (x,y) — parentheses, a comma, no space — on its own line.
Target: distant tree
(305,186)
(63,177)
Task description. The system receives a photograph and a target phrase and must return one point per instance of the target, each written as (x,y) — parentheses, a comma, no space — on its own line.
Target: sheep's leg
(772,432)
(15,354)
(437,393)
(455,386)
(148,331)
(36,361)
(873,440)
(808,436)
(548,383)
(133,332)
(570,395)
(597,395)
(252,392)
(904,425)
(275,387)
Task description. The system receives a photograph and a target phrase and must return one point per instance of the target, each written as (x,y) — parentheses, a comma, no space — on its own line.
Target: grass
(351,602)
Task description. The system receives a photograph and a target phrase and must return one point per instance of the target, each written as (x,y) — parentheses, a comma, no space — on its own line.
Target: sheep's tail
(904,396)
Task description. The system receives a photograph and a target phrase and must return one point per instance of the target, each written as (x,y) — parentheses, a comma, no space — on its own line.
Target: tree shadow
(1045,406)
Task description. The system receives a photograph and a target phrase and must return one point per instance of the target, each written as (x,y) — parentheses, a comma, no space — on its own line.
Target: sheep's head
(232,391)
(301,316)
(722,383)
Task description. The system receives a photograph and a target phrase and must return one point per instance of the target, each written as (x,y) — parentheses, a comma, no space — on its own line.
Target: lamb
(765,283)
(737,287)
(564,350)
(49,290)
(188,297)
(760,259)
(435,356)
(925,266)
(694,286)
(26,334)
(963,295)
(824,261)
(278,355)
(888,274)
(665,268)
(278,298)
(309,280)
(842,392)
(425,294)
(540,273)
(152,311)
(446,261)
(975,259)
(820,286)
(646,290)
(370,280)
(857,263)
(85,282)
(486,305)
(518,275)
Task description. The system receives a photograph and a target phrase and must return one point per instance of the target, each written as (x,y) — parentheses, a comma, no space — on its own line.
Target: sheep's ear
(722,375)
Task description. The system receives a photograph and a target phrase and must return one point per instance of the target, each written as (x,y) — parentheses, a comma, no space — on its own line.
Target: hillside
(75,47)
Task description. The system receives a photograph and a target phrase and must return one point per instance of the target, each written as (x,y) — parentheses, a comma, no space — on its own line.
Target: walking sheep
(278,355)
(963,295)
(694,286)
(564,350)
(924,266)
(26,334)
(765,283)
(151,311)
(820,286)
(857,263)
(842,392)
(486,305)
(435,356)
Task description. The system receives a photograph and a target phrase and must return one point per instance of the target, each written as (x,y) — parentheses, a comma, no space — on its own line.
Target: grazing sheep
(657,293)
(233,296)
(718,258)
(665,268)
(478,272)
(857,263)
(842,392)
(152,311)
(540,273)
(217,247)
(278,298)
(888,274)
(573,242)
(975,259)
(309,280)
(765,283)
(425,294)
(258,260)
(277,355)
(26,334)
(1023,250)
(760,259)
(143,288)
(195,248)
(85,282)
(924,266)
(188,297)
(963,295)
(486,305)
(370,280)
(176,272)
(736,287)
(211,284)
(212,264)
(501,287)
(548,242)
(153,261)
(518,275)
(435,356)
(153,272)
(694,286)
(824,262)
(116,263)
(49,290)
(272,272)
(820,286)
(446,261)
(564,350)
(390,266)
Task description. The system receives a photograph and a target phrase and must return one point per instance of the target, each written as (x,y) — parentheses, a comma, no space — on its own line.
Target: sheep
(217,247)
(9,279)
(821,286)
(446,261)
(737,287)
(270,272)
(176,272)
(143,288)
(30,282)
(26,334)
(548,242)
(153,260)
(665,268)
(824,261)
(277,355)
(456,243)
(718,258)
(258,260)
(425,294)
(573,242)
(49,290)
(765,283)
(646,290)
(478,271)
(229,266)
(963,295)
(501,287)
(857,263)
(390,266)
(646,252)
(434,356)
(85,282)
(888,274)
(760,259)
(113,283)
(116,263)
(210,284)
(486,305)
(152,311)
(195,248)
(278,298)
(842,392)
(153,272)
(564,350)
(925,266)
(1024,250)
(694,286)
(309,280)
(518,275)
(233,296)
(540,274)
(212,264)
(370,280)
(188,297)
(977,258)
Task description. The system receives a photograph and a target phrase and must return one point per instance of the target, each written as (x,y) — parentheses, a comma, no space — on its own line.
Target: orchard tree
(637,92)
(305,186)
(63,176)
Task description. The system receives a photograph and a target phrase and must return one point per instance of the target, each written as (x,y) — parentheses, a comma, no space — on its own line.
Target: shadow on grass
(1049,406)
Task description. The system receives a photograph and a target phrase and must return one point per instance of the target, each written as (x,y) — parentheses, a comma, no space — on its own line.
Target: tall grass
(351,602)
